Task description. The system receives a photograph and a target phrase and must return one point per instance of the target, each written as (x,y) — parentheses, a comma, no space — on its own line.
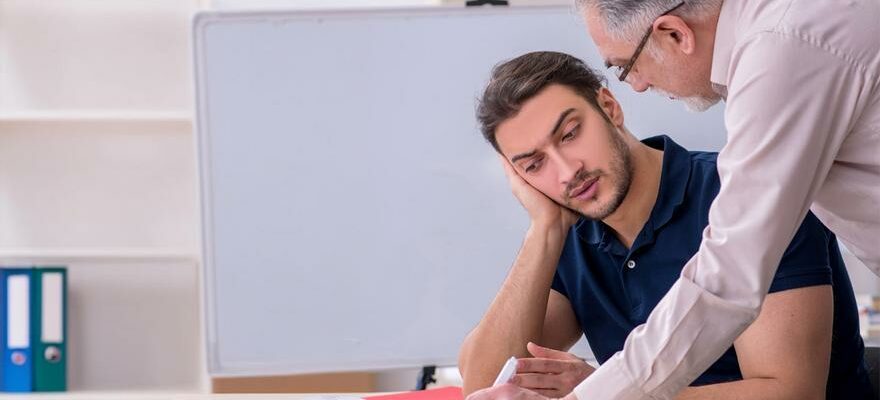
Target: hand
(542,210)
(505,392)
(551,373)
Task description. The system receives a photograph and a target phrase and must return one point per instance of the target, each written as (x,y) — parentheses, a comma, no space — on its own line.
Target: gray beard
(693,103)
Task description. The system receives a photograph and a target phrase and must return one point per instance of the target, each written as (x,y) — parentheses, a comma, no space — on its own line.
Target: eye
(534,166)
(568,136)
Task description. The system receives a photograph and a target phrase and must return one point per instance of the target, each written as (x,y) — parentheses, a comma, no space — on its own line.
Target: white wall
(97,172)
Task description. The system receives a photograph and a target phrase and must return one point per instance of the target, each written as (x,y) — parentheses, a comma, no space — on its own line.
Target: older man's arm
(785,353)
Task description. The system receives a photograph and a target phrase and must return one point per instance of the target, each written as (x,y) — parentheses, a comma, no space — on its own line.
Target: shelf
(103,395)
(96,116)
(54,255)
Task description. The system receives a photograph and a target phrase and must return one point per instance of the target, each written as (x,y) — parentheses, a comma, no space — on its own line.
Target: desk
(158,395)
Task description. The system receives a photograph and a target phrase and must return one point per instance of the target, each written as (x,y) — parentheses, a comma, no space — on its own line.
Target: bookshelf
(98,172)
(183,119)
(56,255)
(108,395)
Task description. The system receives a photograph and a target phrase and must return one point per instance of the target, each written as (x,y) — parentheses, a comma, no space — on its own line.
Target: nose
(638,84)
(567,167)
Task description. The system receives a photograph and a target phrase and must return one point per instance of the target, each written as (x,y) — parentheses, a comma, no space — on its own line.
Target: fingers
(535,381)
(506,391)
(543,384)
(542,366)
(544,352)
(550,393)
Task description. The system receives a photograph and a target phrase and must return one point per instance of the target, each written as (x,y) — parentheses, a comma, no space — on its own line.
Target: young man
(613,222)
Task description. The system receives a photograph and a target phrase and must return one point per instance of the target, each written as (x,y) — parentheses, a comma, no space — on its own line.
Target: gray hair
(628,19)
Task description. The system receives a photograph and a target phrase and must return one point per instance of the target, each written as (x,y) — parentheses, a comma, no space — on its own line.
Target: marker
(507,372)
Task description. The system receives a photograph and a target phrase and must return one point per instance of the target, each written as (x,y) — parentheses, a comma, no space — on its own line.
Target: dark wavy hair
(516,81)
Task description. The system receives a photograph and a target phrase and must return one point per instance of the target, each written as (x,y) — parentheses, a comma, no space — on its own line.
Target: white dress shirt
(802,84)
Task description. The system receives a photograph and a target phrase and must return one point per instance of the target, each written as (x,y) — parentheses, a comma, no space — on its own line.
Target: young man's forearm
(516,316)
(752,389)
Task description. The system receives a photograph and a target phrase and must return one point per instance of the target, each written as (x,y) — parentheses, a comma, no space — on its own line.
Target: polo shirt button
(631,264)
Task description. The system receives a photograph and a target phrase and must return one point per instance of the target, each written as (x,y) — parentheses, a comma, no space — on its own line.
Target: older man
(801,81)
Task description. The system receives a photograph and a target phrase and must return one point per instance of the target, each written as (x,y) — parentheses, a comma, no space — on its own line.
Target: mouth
(585,190)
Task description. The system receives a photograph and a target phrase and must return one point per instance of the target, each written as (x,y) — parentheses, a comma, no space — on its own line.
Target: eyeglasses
(623,72)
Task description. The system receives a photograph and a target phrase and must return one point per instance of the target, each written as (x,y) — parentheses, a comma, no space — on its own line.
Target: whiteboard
(353,216)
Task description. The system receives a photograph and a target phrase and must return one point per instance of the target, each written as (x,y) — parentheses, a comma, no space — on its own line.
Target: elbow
(817,393)
(753,302)
(799,389)
(465,355)
(814,389)
(474,365)
(743,307)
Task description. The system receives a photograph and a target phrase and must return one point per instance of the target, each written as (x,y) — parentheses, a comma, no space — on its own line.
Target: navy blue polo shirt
(613,289)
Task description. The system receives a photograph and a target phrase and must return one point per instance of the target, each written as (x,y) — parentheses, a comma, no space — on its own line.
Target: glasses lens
(617,70)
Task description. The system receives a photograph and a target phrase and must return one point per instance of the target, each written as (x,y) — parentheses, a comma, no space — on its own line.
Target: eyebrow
(614,61)
(552,132)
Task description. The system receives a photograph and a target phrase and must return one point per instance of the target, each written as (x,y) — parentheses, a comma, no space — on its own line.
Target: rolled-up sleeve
(791,103)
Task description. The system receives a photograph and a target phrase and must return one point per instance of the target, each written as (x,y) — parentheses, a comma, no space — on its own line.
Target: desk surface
(158,395)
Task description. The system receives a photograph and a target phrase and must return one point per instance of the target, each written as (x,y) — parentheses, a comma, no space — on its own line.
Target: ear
(673,32)
(610,106)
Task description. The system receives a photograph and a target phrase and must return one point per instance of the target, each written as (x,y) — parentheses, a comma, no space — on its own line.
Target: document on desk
(444,393)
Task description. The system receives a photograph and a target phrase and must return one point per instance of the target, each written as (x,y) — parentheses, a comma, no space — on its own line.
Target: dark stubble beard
(621,177)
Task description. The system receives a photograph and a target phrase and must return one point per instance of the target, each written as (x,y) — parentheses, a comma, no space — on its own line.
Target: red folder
(446,393)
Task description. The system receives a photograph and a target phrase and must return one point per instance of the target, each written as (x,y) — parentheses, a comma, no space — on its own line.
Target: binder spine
(16,346)
(49,329)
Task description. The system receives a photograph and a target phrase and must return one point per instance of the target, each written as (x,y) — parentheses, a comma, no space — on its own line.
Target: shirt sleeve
(558,284)
(790,104)
(807,260)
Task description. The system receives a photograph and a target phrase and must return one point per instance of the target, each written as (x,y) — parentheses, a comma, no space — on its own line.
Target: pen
(507,372)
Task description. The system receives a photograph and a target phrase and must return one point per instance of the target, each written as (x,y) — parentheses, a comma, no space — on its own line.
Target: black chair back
(872,357)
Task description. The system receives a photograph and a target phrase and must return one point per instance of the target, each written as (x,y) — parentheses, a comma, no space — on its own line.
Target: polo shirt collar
(674,176)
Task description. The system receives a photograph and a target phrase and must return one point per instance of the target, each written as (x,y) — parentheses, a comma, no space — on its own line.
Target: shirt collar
(674,176)
(725,38)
